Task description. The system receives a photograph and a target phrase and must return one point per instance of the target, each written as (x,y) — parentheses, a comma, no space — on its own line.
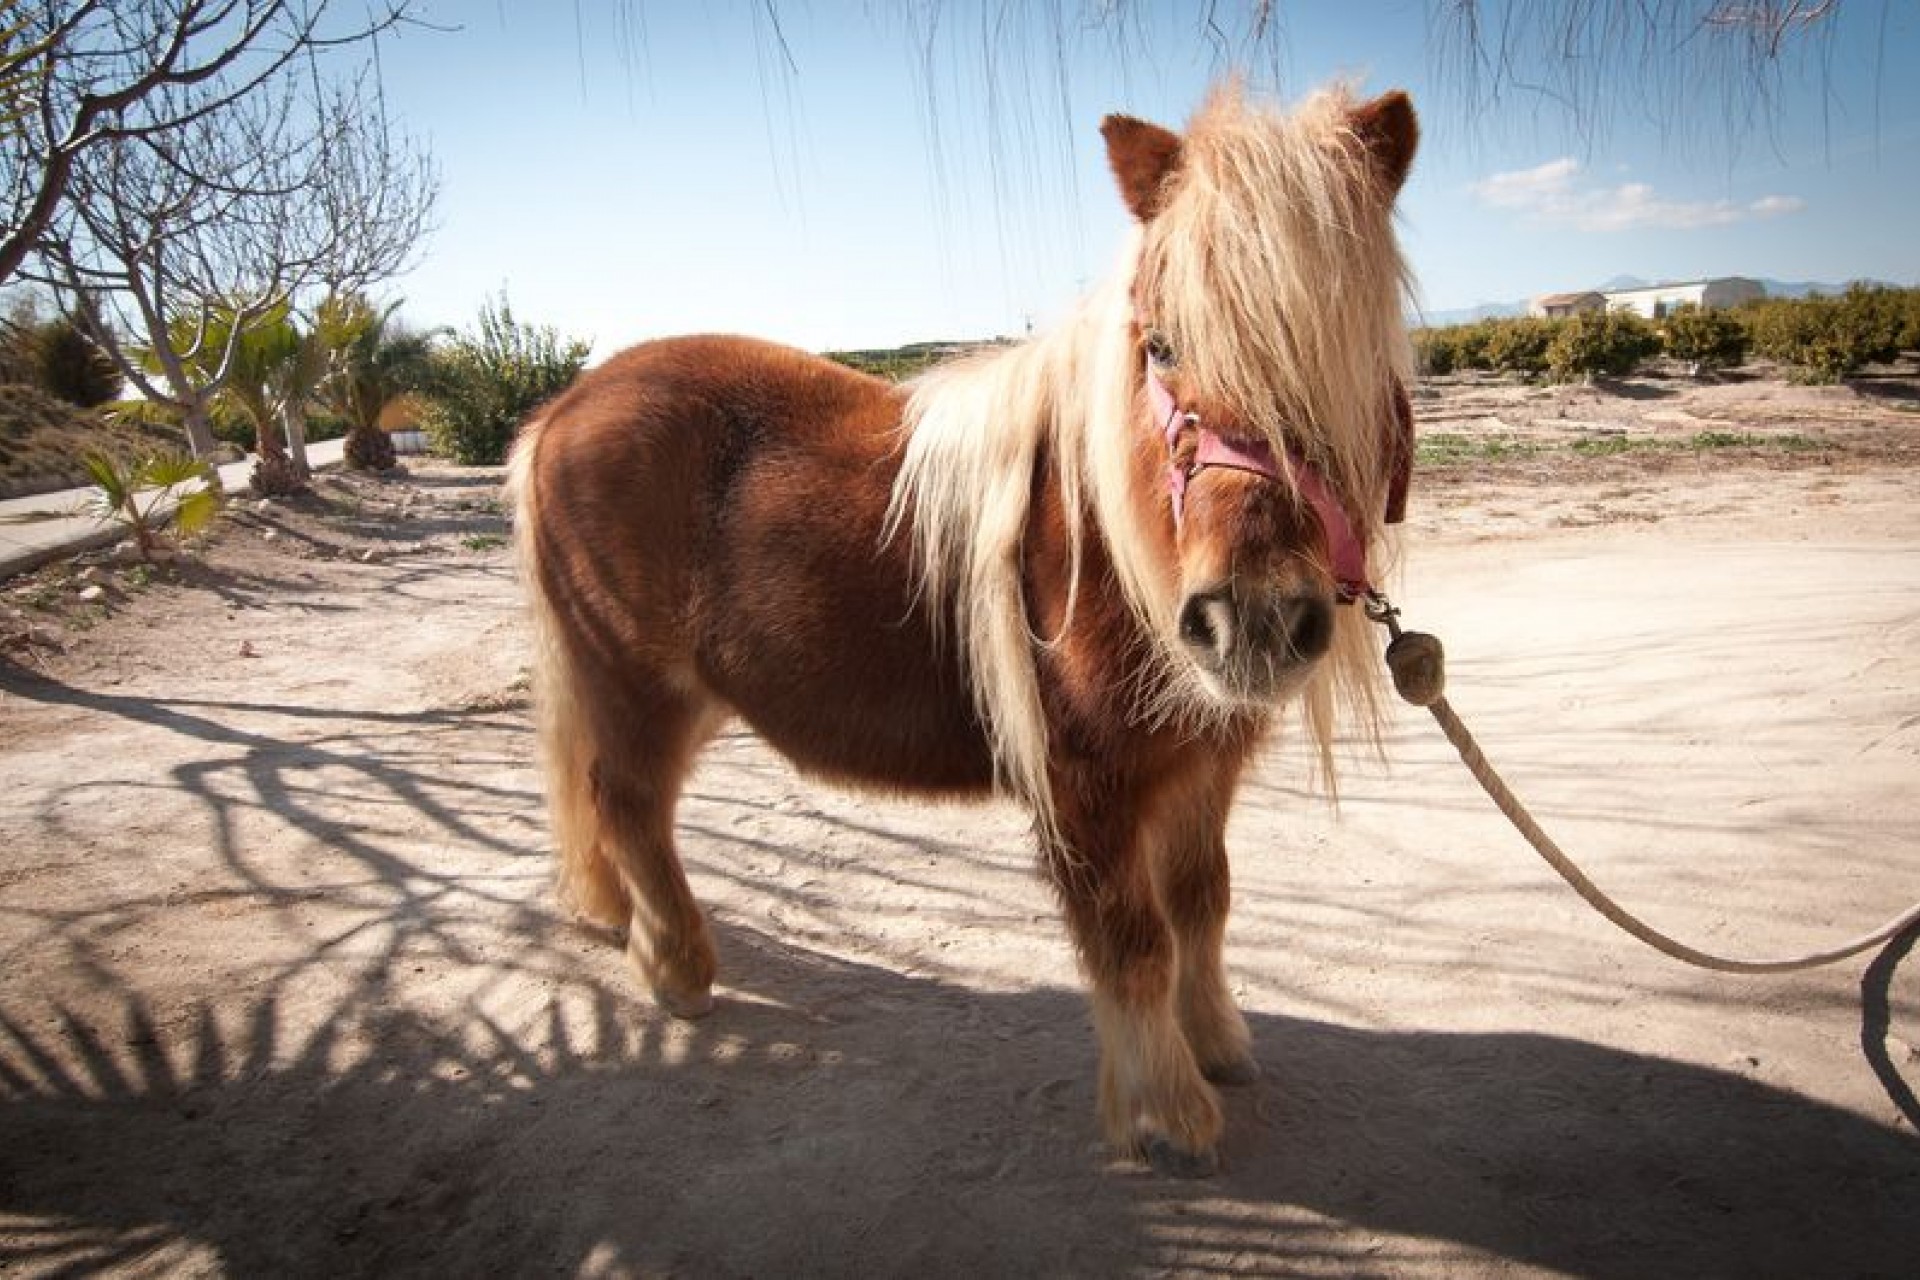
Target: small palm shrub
(377,360)
(144,498)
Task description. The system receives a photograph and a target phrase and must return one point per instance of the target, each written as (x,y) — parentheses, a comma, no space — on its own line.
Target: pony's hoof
(1170,1161)
(1236,1074)
(687,1006)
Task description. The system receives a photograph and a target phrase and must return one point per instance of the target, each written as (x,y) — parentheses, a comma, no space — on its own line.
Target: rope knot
(1419,667)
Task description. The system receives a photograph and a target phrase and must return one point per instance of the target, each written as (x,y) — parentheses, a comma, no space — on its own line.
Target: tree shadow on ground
(1897,388)
(519,1109)
(893,1126)
(369,793)
(1634,389)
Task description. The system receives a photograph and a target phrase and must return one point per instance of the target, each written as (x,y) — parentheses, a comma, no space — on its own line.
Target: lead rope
(1418,664)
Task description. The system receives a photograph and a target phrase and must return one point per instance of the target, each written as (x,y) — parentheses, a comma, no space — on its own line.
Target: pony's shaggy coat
(977,581)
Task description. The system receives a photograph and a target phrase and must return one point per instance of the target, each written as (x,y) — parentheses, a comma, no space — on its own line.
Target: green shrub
(231,426)
(56,356)
(1456,347)
(1910,319)
(17,363)
(1438,352)
(896,364)
(1873,318)
(323,424)
(480,386)
(1825,339)
(1777,327)
(73,367)
(1705,339)
(1518,345)
(1599,344)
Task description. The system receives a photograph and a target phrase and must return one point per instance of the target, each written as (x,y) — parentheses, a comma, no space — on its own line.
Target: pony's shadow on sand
(893,1125)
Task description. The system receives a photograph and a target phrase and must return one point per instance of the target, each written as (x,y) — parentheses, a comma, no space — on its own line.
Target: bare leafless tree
(180,239)
(1680,63)
(1569,65)
(76,75)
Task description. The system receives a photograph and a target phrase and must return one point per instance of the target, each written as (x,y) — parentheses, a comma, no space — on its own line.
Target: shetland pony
(1085,571)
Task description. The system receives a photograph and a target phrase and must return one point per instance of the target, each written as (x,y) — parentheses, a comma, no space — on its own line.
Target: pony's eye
(1159,350)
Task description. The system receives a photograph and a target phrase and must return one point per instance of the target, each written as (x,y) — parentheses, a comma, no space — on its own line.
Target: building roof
(1685,284)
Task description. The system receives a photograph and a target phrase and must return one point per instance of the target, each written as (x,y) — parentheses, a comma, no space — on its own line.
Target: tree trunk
(368,448)
(293,420)
(273,471)
(200,441)
(267,443)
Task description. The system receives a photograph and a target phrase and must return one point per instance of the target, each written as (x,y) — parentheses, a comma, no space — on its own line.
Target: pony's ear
(1144,156)
(1391,133)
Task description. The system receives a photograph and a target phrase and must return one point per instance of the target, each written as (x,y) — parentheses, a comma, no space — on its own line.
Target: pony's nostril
(1206,623)
(1195,629)
(1307,623)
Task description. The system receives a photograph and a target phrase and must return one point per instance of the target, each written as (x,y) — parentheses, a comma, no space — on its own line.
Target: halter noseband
(1345,551)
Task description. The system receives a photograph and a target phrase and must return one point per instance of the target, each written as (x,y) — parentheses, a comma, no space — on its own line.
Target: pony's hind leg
(632,759)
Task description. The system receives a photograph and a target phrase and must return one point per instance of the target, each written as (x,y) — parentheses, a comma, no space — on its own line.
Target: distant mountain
(1467,315)
(1806,288)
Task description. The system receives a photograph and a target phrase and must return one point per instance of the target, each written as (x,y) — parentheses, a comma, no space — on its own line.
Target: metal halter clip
(1416,660)
(1382,610)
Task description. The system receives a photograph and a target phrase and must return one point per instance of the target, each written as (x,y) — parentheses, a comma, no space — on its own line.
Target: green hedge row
(1820,338)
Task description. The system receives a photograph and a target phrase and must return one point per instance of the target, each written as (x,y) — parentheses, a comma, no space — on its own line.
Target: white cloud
(1529,188)
(1557,193)
(1774,206)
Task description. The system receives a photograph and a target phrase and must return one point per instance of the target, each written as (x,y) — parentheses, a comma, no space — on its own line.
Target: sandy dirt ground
(283,990)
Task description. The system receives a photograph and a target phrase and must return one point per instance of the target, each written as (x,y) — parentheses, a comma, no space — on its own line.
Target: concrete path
(47,526)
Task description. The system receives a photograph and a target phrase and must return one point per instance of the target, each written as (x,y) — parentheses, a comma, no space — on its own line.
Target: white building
(1655,302)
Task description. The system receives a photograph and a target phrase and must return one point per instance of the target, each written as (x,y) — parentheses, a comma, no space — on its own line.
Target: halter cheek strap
(1348,556)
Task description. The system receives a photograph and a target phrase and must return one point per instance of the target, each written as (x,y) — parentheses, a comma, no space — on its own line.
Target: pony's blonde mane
(1273,270)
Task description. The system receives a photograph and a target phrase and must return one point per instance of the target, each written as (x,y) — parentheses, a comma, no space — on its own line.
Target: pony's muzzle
(1253,645)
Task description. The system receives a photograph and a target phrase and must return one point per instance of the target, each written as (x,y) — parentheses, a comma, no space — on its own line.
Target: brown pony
(1086,571)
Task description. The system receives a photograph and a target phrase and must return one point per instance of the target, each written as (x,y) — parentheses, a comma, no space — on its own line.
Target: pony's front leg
(1153,1098)
(1196,889)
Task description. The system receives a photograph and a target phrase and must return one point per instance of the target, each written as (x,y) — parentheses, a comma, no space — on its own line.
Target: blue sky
(626,170)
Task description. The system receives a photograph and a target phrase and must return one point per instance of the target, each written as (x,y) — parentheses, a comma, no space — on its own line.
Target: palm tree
(275,372)
(377,361)
(265,350)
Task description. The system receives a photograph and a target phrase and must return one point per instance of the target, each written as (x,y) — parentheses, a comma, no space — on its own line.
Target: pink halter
(1344,550)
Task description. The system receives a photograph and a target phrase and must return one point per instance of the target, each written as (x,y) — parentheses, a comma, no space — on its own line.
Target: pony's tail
(588,882)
